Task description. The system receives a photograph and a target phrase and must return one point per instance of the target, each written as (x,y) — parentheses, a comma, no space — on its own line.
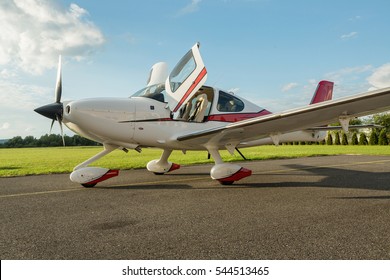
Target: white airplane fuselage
(145,122)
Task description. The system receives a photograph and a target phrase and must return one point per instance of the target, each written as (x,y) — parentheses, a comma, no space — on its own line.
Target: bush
(383,138)
(354,139)
(373,138)
(337,138)
(363,139)
(329,140)
(344,140)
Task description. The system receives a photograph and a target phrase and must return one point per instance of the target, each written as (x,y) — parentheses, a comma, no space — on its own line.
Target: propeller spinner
(54,110)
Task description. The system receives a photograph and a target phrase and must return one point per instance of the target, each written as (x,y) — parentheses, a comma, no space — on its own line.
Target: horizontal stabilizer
(327,128)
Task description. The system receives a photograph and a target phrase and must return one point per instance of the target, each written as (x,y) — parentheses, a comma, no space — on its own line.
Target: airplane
(177,111)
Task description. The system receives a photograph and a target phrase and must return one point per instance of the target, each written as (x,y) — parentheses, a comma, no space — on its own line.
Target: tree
(337,138)
(383,120)
(373,138)
(362,139)
(47,140)
(344,140)
(16,142)
(329,140)
(354,139)
(383,138)
(29,141)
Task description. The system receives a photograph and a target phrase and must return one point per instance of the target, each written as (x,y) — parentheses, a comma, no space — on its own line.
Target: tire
(88,185)
(226,183)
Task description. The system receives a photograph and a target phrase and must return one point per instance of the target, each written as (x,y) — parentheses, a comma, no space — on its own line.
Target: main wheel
(88,185)
(226,183)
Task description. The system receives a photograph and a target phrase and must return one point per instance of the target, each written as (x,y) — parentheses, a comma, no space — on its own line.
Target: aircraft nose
(52,111)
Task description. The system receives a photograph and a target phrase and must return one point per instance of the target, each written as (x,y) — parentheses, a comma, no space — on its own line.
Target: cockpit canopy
(156,92)
(187,98)
(206,104)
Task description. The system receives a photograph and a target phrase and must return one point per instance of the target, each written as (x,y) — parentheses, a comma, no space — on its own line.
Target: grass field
(32,161)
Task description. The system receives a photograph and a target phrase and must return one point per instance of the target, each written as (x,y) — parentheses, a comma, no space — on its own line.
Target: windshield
(156,92)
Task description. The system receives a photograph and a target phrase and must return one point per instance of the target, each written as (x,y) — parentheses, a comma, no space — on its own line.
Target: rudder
(323,92)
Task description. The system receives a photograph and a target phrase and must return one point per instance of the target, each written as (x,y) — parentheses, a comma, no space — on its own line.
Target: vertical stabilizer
(323,92)
(158,74)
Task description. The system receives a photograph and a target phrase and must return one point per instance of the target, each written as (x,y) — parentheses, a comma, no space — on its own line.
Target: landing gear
(87,176)
(88,185)
(162,165)
(226,173)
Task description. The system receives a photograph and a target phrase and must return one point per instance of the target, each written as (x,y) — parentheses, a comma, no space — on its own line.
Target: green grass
(32,161)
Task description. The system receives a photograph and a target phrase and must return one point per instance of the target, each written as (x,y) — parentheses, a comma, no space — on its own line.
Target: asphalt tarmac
(335,207)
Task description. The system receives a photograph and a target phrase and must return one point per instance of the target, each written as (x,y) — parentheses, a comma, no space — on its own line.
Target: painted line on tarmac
(195,178)
(39,193)
(97,188)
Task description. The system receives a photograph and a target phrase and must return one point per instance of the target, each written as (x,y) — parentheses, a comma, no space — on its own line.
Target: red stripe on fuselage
(235,117)
(194,84)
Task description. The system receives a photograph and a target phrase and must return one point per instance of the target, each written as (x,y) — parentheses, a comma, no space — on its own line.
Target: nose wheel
(162,165)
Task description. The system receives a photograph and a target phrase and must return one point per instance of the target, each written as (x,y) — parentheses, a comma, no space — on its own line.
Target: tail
(323,92)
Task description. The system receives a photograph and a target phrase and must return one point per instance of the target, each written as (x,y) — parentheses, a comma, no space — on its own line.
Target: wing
(298,119)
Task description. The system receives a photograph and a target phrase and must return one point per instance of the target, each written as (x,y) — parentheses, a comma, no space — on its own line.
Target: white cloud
(380,78)
(289,86)
(4,126)
(34,32)
(349,35)
(190,8)
(355,18)
(349,80)
(352,73)
(17,104)
(23,96)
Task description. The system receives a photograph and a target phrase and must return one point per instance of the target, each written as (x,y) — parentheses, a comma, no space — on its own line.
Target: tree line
(47,140)
(375,136)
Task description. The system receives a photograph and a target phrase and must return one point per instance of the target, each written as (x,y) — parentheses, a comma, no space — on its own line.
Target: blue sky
(272,52)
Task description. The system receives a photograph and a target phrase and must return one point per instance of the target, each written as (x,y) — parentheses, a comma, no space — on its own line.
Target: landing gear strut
(226,173)
(162,165)
(88,177)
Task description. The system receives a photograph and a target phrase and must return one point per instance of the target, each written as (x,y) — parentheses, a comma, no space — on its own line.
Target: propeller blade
(54,111)
(58,91)
(62,131)
(51,127)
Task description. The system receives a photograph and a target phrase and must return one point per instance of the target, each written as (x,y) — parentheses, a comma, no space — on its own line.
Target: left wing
(341,110)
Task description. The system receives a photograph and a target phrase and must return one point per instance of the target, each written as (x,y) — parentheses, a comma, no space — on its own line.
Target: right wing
(298,119)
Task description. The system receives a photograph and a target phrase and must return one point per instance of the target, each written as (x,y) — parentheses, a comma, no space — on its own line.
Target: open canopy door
(186,78)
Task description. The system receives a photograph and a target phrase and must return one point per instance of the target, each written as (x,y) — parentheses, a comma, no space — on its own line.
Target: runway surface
(335,207)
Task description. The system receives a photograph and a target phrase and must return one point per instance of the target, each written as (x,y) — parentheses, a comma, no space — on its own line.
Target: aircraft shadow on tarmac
(148,187)
(331,178)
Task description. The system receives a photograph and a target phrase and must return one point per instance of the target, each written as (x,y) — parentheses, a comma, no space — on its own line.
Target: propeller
(54,111)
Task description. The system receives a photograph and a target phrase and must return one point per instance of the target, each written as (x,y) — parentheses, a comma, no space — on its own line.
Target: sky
(272,52)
